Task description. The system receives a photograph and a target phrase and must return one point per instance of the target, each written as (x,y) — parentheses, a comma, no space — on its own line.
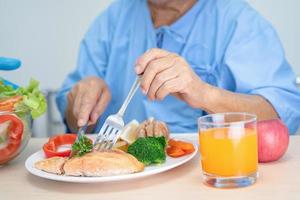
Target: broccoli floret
(149,150)
(162,141)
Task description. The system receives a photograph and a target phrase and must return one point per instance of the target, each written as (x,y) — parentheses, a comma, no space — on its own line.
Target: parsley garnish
(82,146)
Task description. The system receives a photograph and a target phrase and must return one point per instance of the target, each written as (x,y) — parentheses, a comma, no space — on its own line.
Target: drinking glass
(228,148)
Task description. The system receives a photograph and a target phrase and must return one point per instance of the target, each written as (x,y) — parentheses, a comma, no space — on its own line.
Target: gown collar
(181,28)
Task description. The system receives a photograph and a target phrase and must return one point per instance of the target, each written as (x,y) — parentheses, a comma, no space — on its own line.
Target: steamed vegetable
(175,152)
(185,146)
(273,140)
(149,150)
(179,148)
(23,99)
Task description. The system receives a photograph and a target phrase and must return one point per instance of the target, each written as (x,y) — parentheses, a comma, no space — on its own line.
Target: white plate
(148,171)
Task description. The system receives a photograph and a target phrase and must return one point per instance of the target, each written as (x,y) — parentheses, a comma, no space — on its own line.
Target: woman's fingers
(165,73)
(88,102)
(160,79)
(171,86)
(100,106)
(76,103)
(147,57)
(153,69)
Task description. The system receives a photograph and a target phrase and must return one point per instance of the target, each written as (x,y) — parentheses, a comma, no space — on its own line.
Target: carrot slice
(185,146)
(7,107)
(175,152)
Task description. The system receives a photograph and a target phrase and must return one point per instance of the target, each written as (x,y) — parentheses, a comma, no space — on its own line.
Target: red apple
(273,140)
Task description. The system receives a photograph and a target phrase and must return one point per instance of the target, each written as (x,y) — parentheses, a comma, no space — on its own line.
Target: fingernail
(149,98)
(80,122)
(138,69)
(144,91)
(95,117)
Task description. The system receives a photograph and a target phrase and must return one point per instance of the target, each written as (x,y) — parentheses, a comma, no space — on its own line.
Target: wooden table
(278,180)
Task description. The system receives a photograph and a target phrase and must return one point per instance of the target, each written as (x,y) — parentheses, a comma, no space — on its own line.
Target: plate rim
(62,178)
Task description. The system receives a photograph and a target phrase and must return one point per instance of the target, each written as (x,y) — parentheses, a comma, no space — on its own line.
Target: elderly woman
(196,57)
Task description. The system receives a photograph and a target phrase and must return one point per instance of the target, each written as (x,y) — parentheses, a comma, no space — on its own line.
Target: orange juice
(228,152)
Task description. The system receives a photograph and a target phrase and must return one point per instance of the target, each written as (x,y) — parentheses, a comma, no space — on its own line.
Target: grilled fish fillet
(108,163)
(52,165)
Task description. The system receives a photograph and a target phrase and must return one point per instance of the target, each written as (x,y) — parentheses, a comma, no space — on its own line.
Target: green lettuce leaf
(33,98)
(6,90)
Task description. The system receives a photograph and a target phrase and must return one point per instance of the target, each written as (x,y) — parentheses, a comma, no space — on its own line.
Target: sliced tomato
(50,148)
(14,138)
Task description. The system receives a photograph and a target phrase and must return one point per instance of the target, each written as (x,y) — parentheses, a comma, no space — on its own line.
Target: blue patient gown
(226,42)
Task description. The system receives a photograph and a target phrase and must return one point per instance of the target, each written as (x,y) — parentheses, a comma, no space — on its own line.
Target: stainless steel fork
(113,125)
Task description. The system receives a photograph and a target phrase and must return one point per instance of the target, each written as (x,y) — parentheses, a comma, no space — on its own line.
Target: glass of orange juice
(228,148)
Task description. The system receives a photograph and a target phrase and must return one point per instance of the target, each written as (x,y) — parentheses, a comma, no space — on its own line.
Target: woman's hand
(87,100)
(167,73)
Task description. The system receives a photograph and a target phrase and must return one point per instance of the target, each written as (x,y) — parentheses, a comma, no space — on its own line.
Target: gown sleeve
(256,60)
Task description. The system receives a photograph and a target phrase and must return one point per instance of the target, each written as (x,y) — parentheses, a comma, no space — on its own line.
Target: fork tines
(106,137)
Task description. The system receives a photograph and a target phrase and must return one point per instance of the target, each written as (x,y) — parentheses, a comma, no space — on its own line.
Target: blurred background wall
(45,35)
